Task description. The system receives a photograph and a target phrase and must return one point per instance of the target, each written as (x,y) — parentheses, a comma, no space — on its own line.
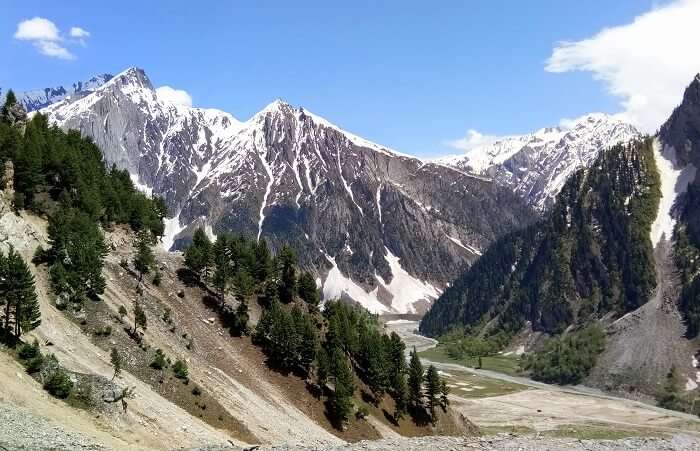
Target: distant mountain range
(376,226)
(537,165)
(40,98)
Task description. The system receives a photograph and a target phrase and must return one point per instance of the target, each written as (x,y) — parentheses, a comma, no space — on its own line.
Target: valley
(174,278)
(507,403)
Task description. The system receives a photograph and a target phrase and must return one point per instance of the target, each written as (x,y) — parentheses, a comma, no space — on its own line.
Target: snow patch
(690,385)
(336,285)
(674,181)
(172,229)
(406,289)
(147,190)
(268,170)
(466,247)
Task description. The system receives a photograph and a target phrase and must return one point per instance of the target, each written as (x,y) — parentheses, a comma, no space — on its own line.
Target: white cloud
(473,140)
(172,95)
(37,29)
(77,32)
(46,37)
(53,49)
(646,63)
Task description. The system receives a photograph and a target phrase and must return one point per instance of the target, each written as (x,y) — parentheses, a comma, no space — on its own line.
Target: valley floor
(526,406)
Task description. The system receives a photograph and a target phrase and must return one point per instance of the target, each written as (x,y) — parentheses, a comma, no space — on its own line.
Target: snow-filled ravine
(674,181)
(405,291)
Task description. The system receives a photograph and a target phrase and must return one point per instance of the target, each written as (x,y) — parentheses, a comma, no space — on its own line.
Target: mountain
(376,226)
(39,98)
(588,257)
(537,165)
(619,247)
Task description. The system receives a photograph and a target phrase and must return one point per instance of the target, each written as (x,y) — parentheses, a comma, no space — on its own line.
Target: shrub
(196,391)
(157,279)
(167,318)
(57,381)
(104,331)
(34,365)
(362,413)
(28,351)
(180,369)
(159,361)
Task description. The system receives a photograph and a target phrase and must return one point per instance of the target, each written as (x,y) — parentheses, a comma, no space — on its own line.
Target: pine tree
(432,389)
(198,256)
(323,367)
(287,286)
(262,261)
(117,362)
(18,292)
(307,339)
(239,326)
(139,318)
(307,289)
(144,260)
(344,387)
(399,394)
(415,380)
(10,98)
(243,283)
(223,269)
(444,392)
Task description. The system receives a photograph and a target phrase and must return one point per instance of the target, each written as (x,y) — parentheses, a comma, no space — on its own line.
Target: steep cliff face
(537,165)
(377,226)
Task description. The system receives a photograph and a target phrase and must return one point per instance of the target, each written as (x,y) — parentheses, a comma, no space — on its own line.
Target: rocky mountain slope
(376,226)
(620,247)
(537,165)
(39,98)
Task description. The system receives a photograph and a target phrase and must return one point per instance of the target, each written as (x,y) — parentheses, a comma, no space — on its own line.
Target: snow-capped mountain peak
(366,220)
(536,165)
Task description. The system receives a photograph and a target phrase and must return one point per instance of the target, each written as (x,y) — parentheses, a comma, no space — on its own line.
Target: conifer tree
(198,256)
(239,326)
(18,292)
(344,387)
(444,392)
(262,261)
(243,283)
(307,289)
(399,394)
(144,260)
(223,269)
(139,318)
(432,389)
(415,380)
(287,286)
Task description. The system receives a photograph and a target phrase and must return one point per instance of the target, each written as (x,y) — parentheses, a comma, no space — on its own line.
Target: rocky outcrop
(376,226)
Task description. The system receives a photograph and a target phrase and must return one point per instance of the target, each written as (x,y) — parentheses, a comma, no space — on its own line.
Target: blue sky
(411,75)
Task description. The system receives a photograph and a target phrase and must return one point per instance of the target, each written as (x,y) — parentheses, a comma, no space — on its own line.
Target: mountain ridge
(358,212)
(536,165)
